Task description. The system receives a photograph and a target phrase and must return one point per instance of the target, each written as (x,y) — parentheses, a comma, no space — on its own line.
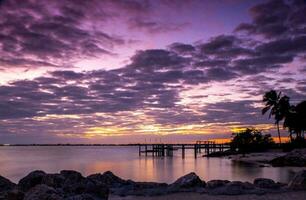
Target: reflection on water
(16,162)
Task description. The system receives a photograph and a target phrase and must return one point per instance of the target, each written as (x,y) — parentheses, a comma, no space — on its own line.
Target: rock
(216,183)
(235,188)
(299,181)
(14,194)
(142,189)
(86,186)
(32,179)
(188,183)
(42,192)
(108,179)
(238,187)
(54,180)
(97,189)
(6,184)
(71,175)
(295,158)
(81,197)
(266,183)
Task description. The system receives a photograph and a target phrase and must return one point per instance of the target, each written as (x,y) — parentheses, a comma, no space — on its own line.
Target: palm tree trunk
(279,137)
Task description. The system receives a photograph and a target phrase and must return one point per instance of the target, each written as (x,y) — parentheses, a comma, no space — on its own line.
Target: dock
(199,148)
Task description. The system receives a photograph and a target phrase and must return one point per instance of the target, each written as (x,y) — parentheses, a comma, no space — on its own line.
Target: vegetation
(250,140)
(293,116)
(295,121)
(278,106)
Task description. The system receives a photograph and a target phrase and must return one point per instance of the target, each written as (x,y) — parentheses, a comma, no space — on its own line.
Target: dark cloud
(182,48)
(277,18)
(67,75)
(155,26)
(260,64)
(157,59)
(291,46)
(221,74)
(234,111)
(225,46)
(40,34)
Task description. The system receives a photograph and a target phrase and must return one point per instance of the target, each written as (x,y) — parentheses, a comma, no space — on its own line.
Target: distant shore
(131,144)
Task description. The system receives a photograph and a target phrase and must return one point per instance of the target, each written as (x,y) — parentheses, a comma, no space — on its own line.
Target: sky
(125,71)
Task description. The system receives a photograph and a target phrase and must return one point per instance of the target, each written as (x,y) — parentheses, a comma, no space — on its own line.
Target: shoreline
(261,159)
(294,158)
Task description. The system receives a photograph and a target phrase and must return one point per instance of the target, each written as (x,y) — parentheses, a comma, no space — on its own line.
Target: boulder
(86,186)
(14,194)
(299,181)
(96,189)
(6,184)
(216,183)
(42,192)
(54,180)
(266,183)
(32,179)
(108,179)
(71,175)
(187,183)
(235,188)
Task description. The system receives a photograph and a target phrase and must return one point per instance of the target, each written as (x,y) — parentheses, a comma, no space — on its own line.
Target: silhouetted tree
(251,140)
(295,120)
(278,105)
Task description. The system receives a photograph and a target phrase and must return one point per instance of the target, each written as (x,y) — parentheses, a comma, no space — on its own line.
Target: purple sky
(128,71)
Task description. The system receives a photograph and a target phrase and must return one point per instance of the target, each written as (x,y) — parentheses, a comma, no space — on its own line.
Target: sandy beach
(300,195)
(256,158)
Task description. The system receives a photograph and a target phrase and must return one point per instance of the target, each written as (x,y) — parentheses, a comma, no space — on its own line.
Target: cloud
(242,112)
(181,48)
(276,19)
(56,33)
(154,27)
(156,83)
(225,46)
(288,46)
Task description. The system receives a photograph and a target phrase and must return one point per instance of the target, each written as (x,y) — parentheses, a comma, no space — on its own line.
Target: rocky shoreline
(71,185)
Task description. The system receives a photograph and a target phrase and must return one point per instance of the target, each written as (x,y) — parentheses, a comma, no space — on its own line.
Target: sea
(124,161)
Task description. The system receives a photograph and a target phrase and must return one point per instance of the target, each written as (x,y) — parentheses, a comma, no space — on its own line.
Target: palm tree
(296,120)
(278,106)
(291,122)
(301,112)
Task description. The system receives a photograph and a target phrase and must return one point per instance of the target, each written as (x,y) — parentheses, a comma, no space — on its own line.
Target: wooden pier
(200,147)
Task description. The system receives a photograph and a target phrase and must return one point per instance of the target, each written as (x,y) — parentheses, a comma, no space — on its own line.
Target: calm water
(16,162)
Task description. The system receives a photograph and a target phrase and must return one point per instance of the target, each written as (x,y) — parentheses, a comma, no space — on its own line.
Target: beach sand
(300,195)
(256,158)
